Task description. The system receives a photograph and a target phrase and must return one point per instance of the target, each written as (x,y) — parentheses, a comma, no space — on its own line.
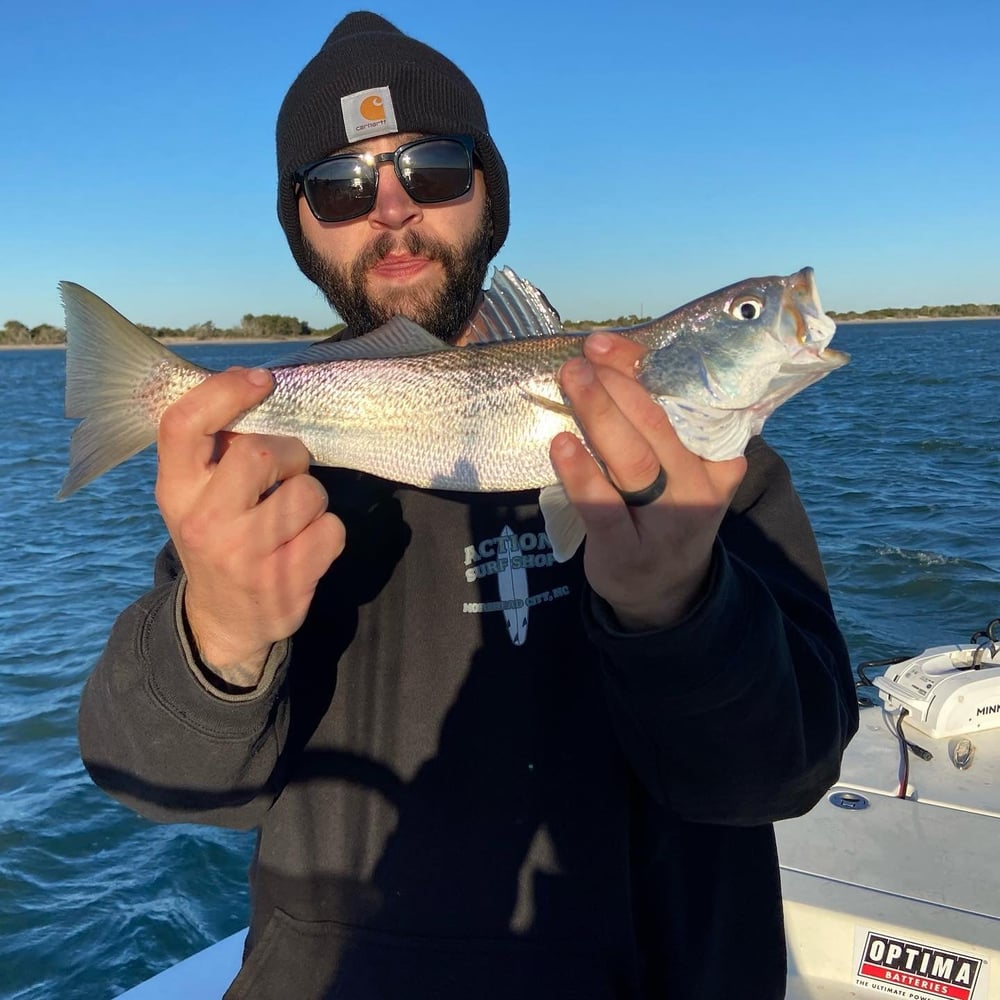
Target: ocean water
(896,457)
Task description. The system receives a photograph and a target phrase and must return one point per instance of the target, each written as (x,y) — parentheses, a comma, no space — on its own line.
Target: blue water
(896,458)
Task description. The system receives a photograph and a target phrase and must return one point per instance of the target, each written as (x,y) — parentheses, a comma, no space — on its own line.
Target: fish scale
(467,419)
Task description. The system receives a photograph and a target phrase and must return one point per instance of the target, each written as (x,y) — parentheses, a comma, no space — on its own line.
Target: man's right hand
(252,552)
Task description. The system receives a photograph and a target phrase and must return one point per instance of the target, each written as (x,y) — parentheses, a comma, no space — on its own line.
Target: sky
(656,151)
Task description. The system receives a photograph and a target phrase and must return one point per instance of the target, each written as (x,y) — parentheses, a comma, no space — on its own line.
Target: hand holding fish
(252,554)
(649,563)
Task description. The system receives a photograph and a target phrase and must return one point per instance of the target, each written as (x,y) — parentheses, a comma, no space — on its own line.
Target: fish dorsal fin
(512,309)
(399,338)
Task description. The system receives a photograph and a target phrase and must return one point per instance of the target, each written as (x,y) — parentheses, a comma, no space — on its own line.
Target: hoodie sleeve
(156,734)
(740,714)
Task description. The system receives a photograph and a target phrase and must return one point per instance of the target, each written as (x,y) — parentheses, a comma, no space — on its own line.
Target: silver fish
(400,404)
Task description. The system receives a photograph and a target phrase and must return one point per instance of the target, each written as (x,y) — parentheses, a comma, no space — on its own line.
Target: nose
(394,208)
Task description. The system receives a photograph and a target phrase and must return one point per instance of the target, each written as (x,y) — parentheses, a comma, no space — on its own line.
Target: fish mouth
(800,300)
(810,359)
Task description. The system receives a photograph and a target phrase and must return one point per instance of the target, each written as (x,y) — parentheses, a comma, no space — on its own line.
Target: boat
(891,882)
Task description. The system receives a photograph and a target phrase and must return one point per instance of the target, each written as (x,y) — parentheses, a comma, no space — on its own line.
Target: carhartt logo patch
(367,113)
(373,109)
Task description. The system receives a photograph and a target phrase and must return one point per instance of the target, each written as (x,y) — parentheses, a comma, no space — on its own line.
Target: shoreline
(306,341)
(178,341)
(913,319)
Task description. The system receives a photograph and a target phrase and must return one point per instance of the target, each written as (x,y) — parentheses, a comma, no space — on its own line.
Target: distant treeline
(968,311)
(251,327)
(257,327)
(272,327)
(588,324)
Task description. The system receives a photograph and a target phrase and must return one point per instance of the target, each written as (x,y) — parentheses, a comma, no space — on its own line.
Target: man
(568,793)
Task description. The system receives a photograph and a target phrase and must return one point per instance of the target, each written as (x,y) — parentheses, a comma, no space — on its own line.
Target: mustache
(411,242)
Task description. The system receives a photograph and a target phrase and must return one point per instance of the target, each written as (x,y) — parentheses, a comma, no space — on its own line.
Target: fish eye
(746,308)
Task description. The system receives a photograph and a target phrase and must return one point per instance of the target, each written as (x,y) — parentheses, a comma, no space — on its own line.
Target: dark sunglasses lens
(340,189)
(437,170)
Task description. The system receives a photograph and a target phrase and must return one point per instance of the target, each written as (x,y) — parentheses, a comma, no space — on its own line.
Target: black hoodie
(468,784)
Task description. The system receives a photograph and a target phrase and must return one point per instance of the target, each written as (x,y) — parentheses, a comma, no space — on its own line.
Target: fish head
(752,344)
(804,333)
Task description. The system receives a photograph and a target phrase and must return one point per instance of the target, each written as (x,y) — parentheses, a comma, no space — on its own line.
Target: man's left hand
(650,563)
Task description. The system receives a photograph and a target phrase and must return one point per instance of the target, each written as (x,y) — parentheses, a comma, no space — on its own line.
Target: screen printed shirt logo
(508,559)
(367,113)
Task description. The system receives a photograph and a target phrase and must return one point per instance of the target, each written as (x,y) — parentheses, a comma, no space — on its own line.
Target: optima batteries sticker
(901,967)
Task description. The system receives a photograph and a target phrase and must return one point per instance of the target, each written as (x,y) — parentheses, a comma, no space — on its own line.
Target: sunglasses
(432,169)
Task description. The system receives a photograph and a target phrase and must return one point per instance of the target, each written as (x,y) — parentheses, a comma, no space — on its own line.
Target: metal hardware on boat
(986,642)
(961,752)
(849,800)
(987,638)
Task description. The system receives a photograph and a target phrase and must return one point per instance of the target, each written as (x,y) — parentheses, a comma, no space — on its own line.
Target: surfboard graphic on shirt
(512,581)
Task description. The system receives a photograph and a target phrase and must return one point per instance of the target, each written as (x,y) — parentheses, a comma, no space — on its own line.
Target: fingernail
(580,371)
(599,343)
(259,376)
(564,446)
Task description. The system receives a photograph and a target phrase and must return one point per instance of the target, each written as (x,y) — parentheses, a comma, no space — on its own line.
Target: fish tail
(107,360)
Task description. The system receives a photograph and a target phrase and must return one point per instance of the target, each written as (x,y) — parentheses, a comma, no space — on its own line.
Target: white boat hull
(921,871)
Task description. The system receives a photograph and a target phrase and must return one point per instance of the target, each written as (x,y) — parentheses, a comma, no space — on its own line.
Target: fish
(403,405)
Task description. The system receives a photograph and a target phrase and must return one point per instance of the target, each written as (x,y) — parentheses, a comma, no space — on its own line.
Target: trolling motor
(948,690)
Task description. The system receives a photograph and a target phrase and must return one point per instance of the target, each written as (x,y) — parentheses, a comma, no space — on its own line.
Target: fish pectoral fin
(555,405)
(711,432)
(563,523)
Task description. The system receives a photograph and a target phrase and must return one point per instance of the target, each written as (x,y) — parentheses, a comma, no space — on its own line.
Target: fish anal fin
(563,523)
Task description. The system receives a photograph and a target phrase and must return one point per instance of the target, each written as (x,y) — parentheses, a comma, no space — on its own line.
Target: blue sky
(657,151)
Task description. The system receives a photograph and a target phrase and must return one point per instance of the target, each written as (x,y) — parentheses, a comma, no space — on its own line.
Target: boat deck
(921,871)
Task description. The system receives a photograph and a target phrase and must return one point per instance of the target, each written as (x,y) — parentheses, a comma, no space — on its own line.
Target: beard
(443,312)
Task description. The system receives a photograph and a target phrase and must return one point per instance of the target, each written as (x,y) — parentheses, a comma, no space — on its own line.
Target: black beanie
(392,83)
